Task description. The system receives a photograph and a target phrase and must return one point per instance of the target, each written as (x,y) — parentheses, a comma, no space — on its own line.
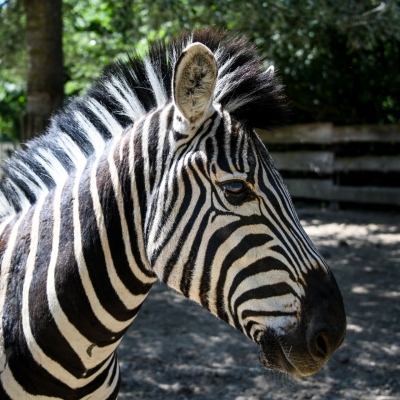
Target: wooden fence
(358,164)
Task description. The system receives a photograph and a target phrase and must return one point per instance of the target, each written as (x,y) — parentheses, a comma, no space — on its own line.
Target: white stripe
(105,117)
(52,166)
(300,263)
(76,340)
(177,240)
(51,366)
(106,319)
(278,324)
(146,156)
(219,222)
(227,139)
(306,245)
(156,83)
(267,278)
(239,146)
(137,218)
(5,206)
(35,184)
(16,391)
(161,137)
(159,224)
(296,232)
(91,132)
(250,257)
(132,107)
(125,232)
(104,391)
(279,303)
(127,298)
(4,278)
(72,150)
(166,186)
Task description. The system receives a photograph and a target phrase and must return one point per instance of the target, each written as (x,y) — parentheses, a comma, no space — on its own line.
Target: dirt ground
(177,350)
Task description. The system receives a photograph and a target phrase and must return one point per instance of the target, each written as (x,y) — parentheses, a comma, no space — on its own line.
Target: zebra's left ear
(194,81)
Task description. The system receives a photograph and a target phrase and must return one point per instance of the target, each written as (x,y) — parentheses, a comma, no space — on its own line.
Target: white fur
(156,82)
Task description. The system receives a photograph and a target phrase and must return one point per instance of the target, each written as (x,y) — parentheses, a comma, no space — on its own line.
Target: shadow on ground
(176,350)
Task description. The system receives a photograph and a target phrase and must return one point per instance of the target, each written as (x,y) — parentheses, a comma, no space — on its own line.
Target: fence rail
(327,133)
(324,162)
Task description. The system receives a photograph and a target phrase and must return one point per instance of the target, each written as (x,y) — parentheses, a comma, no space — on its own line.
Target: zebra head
(220,226)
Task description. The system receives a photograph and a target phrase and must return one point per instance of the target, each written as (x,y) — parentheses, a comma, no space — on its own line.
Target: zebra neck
(82,273)
(108,214)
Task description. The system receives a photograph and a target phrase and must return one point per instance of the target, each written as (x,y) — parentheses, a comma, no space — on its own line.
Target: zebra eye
(234,187)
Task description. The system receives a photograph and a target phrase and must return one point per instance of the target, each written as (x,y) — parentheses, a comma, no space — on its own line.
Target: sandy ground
(177,350)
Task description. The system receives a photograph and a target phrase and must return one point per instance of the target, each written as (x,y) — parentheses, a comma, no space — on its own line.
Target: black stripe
(129,208)
(220,133)
(95,260)
(139,171)
(263,292)
(217,238)
(188,268)
(182,212)
(3,394)
(113,228)
(263,265)
(273,223)
(115,371)
(12,325)
(248,242)
(37,381)
(253,313)
(74,302)
(247,328)
(153,140)
(43,326)
(275,180)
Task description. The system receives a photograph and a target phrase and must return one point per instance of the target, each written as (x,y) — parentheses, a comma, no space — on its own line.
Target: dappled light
(148,162)
(176,350)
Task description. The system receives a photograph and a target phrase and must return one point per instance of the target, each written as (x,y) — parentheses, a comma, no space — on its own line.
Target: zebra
(156,173)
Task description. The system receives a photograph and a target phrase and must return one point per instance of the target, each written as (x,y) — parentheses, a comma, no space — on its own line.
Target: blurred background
(339,155)
(339,61)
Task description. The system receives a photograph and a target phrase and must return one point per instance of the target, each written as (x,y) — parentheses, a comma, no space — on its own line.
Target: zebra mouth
(292,359)
(272,355)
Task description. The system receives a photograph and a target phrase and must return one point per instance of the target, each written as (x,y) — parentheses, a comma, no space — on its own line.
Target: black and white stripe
(133,182)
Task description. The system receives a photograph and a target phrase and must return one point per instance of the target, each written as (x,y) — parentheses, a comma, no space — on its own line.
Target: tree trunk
(45,70)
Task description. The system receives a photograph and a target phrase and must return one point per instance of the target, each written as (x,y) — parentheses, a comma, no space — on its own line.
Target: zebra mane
(126,91)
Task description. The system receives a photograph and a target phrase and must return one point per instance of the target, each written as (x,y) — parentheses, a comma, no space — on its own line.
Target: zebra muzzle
(303,349)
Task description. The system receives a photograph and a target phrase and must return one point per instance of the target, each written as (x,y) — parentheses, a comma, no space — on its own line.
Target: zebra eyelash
(237,198)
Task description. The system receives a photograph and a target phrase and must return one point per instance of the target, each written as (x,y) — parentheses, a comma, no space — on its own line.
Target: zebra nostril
(320,346)
(321,343)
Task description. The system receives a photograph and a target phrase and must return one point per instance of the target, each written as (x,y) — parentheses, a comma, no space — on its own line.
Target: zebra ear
(194,81)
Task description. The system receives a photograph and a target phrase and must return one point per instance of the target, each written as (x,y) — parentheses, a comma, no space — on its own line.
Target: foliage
(339,60)
(12,67)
